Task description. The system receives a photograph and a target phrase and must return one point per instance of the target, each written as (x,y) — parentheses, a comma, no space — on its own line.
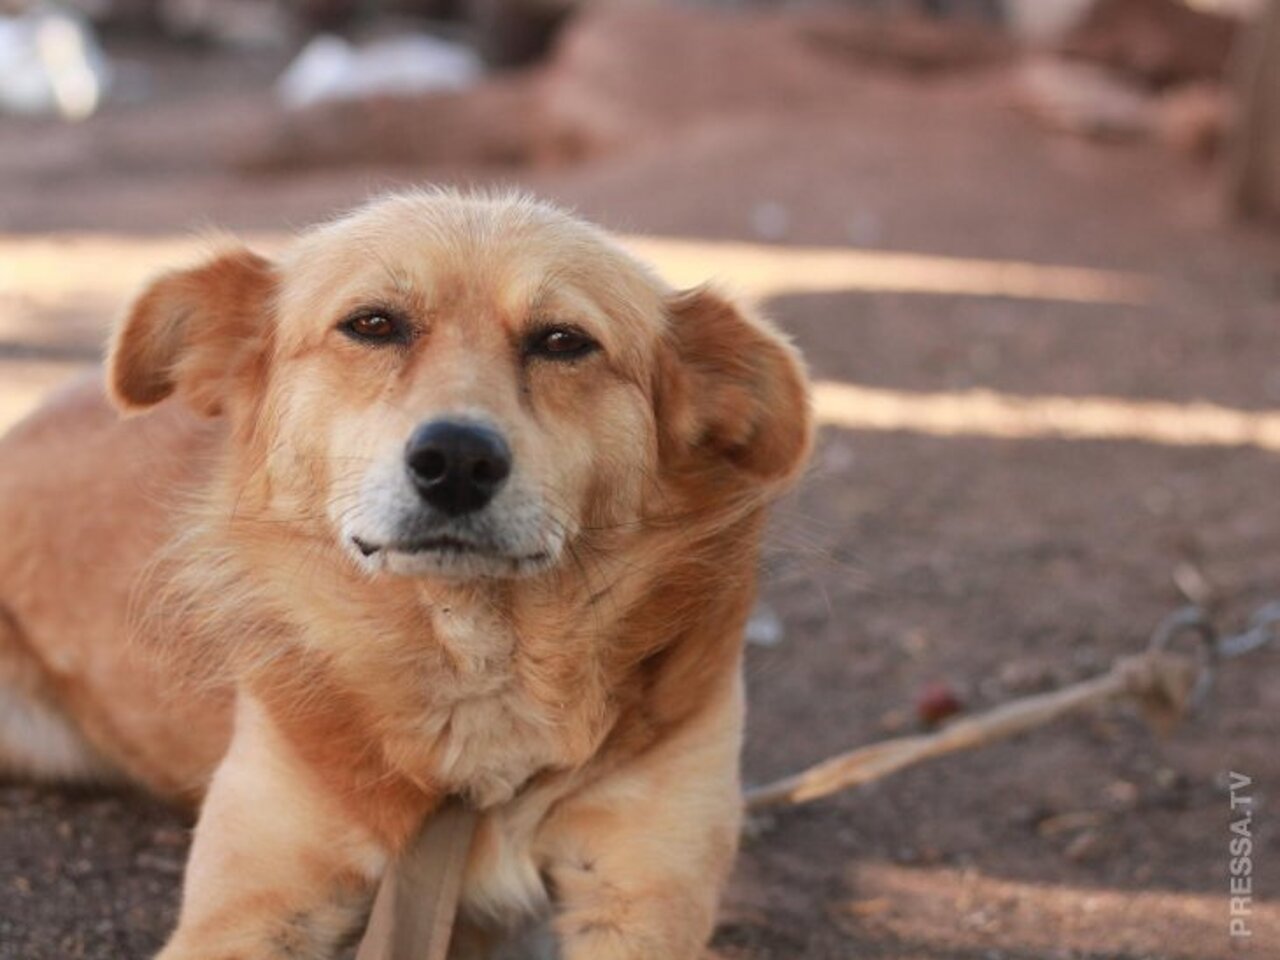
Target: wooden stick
(1161,682)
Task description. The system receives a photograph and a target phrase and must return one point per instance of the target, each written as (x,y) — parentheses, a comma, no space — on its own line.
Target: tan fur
(585,693)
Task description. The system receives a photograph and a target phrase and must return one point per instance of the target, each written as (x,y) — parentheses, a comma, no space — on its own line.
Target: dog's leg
(280,867)
(38,741)
(638,860)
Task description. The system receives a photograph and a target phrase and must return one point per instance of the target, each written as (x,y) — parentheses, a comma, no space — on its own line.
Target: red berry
(936,701)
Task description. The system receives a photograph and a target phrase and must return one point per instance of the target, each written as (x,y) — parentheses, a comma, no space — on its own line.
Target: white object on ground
(50,63)
(329,68)
(1085,99)
(1044,21)
(764,628)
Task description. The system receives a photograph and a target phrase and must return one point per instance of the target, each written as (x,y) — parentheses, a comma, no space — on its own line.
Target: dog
(453,499)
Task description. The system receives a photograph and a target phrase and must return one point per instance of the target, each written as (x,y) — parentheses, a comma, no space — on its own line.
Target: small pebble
(1089,845)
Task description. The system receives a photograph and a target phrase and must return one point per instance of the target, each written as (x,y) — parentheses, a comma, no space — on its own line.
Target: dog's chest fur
(491,733)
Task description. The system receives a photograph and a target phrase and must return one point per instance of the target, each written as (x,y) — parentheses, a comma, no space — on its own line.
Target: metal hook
(1193,620)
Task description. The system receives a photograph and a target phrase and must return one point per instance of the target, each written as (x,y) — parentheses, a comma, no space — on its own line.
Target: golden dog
(455,498)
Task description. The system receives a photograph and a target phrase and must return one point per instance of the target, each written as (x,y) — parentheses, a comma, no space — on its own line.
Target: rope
(417,901)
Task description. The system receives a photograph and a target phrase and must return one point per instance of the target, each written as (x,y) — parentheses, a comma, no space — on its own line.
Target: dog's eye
(374,327)
(560,343)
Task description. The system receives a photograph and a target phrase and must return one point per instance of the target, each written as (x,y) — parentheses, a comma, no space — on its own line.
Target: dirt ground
(1002,559)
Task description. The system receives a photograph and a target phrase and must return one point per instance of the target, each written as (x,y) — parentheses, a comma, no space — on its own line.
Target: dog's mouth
(444,549)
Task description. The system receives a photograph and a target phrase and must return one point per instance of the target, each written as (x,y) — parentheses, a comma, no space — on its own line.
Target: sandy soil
(1002,562)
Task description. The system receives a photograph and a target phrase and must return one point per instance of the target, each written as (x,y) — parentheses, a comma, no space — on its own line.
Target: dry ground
(1021,548)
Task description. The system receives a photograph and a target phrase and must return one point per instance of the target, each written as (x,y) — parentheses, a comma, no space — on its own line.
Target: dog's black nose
(457,466)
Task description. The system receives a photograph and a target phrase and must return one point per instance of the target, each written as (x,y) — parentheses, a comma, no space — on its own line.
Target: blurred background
(1030,250)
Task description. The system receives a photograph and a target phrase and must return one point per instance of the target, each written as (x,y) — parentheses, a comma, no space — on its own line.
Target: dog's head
(460,386)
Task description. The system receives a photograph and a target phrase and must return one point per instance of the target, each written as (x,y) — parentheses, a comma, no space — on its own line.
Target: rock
(1064,823)
(1159,43)
(1122,794)
(1045,21)
(866,907)
(156,863)
(329,68)
(604,92)
(916,45)
(239,24)
(170,837)
(1026,676)
(494,124)
(758,824)
(894,721)
(1194,120)
(1089,845)
(1084,99)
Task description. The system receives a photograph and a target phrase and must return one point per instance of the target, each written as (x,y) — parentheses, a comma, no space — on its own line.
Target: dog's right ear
(730,388)
(194,333)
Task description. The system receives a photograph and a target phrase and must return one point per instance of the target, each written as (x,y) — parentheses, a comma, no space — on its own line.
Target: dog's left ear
(731,387)
(193,332)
